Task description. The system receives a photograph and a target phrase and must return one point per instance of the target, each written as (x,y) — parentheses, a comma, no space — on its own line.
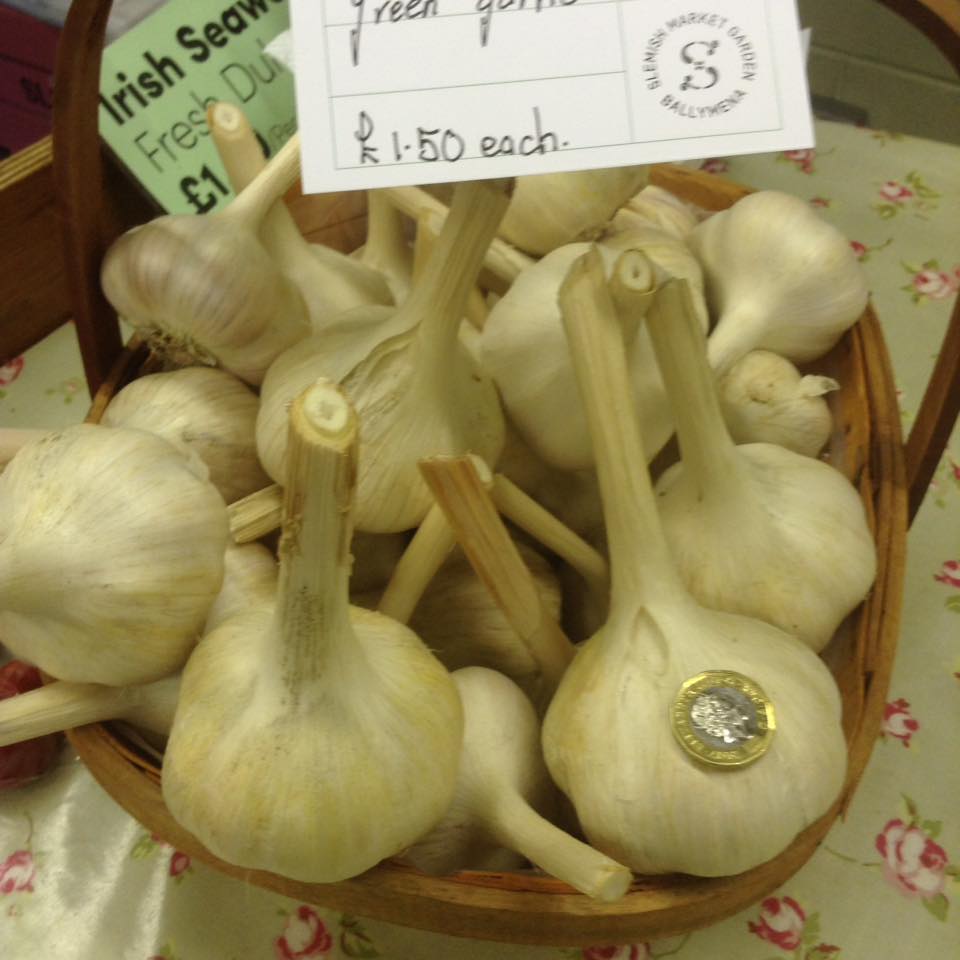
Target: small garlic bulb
(668,690)
(778,277)
(654,206)
(111,552)
(501,785)
(204,288)
(208,411)
(755,529)
(313,738)
(764,399)
(551,209)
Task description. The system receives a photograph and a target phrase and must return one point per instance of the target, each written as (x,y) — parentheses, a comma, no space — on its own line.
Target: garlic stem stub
(204,288)
(502,782)
(611,734)
(344,731)
(765,399)
(755,529)
(778,277)
(111,552)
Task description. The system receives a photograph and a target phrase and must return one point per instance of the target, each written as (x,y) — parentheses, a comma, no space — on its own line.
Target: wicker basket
(522,908)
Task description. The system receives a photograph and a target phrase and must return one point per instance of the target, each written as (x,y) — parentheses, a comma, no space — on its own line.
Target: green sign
(158,80)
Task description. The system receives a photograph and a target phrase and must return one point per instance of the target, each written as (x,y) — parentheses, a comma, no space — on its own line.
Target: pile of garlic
(312,732)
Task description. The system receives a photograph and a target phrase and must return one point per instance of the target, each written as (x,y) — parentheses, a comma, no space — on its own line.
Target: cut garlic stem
(632,287)
(458,487)
(544,527)
(502,263)
(280,173)
(517,826)
(424,556)
(62,705)
(385,249)
(257,514)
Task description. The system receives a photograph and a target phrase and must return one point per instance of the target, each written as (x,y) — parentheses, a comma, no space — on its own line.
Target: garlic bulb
(414,384)
(13,438)
(755,529)
(654,206)
(778,277)
(764,399)
(204,288)
(526,353)
(208,411)
(501,784)
(665,676)
(329,281)
(342,731)
(457,618)
(249,578)
(111,551)
(386,249)
(552,209)
(62,705)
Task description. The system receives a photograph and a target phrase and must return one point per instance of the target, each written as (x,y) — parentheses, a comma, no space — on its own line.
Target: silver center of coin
(723,717)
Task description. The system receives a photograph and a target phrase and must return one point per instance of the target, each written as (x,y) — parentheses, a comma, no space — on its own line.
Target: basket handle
(79,177)
(940,21)
(78,169)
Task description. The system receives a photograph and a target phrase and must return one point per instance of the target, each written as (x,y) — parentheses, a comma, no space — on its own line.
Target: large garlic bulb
(208,411)
(661,731)
(778,277)
(551,209)
(765,399)
(415,385)
(313,738)
(204,288)
(111,551)
(755,529)
(501,785)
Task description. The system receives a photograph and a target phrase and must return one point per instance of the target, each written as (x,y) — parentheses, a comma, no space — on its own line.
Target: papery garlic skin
(249,578)
(233,707)
(176,280)
(656,207)
(526,353)
(764,399)
(778,277)
(201,409)
(111,551)
(794,550)
(550,209)
(606,738)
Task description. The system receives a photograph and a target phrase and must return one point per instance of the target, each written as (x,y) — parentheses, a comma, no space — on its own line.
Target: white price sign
(393,92)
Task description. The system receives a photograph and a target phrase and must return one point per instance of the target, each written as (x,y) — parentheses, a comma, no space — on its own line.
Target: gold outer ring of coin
(683,729)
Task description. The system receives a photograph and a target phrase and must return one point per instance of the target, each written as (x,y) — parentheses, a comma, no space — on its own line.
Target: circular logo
(701,65)
(723,719)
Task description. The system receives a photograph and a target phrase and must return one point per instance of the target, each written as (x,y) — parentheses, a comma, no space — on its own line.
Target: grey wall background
(866,63)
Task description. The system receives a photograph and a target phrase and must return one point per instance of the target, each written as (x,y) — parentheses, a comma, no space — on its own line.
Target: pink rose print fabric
(781,922)
(304,935)
(949,573)
(632,951)
(10,371)
(714,165)
(898,722)
(17,873)
(895,192)
(803,159)
(913,862)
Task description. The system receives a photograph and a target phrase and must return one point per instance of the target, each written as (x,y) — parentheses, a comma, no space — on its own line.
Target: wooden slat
(34,299)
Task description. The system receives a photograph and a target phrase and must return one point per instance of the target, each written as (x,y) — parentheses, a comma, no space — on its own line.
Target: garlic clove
(764,399)
(778,277)
(552,209)
(111,551)
(206,410)
(344,731)
(501,784)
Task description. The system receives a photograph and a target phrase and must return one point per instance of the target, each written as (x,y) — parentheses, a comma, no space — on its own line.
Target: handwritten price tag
(394,92)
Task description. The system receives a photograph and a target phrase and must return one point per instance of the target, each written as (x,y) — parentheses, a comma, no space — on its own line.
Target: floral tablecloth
(80,880)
